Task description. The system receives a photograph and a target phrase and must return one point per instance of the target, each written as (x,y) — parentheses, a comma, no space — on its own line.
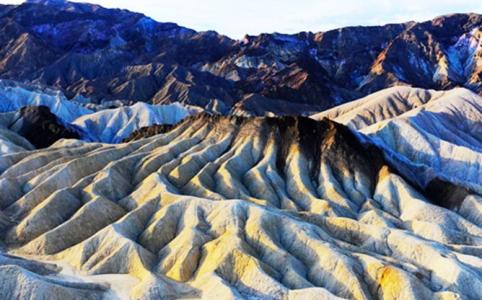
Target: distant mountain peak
(96,52)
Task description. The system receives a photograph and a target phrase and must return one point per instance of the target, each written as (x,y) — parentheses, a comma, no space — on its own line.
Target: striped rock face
(230,208)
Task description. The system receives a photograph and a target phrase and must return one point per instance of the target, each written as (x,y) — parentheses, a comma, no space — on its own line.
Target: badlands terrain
(144,160)
(231,207)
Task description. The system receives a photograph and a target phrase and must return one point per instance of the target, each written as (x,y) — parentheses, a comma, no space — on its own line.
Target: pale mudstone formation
(11,141)
(426,133)
(232,208)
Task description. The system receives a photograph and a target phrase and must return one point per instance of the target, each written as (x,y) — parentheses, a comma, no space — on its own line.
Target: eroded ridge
(232,207)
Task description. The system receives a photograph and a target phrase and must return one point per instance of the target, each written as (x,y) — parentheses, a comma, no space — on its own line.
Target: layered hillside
(230,207)
(107,54)
(47,115)
(426,133)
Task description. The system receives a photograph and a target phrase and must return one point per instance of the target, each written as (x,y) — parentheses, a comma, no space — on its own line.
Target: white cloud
(235,18)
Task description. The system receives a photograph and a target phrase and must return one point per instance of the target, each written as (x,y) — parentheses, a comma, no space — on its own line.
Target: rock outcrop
(42,128)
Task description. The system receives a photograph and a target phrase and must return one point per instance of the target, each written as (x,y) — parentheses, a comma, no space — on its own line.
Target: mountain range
(111,54)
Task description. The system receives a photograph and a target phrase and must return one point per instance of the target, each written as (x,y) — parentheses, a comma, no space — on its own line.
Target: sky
(240,17)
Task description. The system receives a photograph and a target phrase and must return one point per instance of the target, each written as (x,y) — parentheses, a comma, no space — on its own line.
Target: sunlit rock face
(231,208)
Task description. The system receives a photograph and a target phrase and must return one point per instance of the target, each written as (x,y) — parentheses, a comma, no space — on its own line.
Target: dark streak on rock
(42,128)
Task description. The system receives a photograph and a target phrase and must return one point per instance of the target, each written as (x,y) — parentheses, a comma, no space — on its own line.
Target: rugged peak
(75,42)
(319,142)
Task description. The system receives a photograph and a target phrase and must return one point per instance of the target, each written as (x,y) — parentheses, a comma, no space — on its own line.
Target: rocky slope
(230,207)
(40,127)
(14,96)
(84,120)
(426,133)
(107,54)
(10,141)
(114,125)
